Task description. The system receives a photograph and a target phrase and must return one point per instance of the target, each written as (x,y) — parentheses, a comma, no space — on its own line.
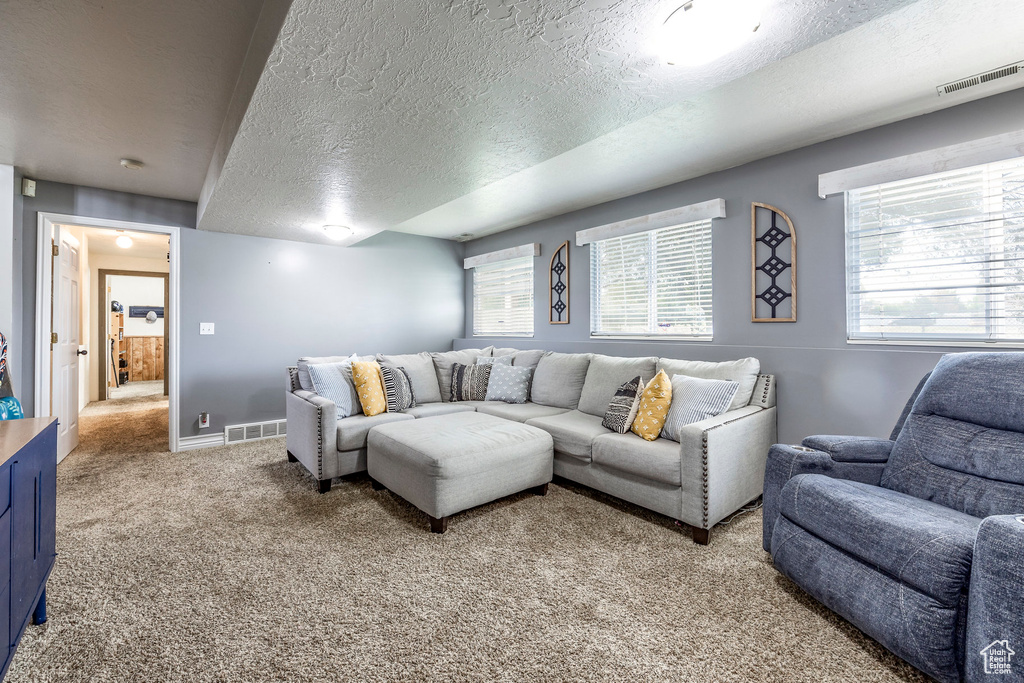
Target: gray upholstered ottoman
(450,463)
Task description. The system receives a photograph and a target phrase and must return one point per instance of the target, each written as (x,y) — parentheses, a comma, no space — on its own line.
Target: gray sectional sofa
(716,467)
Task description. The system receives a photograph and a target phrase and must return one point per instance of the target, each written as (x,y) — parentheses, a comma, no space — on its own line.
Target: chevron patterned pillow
(623,406)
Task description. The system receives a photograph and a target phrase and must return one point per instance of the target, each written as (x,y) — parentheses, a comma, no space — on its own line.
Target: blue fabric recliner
(918,540)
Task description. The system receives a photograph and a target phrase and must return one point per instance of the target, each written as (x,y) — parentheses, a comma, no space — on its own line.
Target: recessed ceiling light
(337,232)
(701,31)
(133,164)
(123,241)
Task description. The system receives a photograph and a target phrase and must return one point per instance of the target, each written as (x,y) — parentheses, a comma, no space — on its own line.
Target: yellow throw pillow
(654,404)
(366,376)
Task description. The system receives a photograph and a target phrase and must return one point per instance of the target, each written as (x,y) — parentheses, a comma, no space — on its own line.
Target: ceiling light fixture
(132,164)
(123,241)
(701,31)
(337,232)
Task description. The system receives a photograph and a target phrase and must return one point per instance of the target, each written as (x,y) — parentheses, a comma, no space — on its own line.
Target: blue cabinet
(28,523)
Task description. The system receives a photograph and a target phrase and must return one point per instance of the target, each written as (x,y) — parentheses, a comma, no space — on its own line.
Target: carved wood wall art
(773,265)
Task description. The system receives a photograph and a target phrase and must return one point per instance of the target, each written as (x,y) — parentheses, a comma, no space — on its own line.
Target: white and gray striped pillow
(695,399)
(334,382)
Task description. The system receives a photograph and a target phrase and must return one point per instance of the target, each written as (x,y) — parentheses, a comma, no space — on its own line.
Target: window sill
(927,342)
(488,335)
(653,337)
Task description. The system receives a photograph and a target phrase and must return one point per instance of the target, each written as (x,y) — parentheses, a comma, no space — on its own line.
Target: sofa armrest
(312,429)
(851,448)
(722,463)
(995,613)
(785,462)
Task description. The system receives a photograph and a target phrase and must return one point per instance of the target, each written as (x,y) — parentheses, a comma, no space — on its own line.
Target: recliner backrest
(962,444)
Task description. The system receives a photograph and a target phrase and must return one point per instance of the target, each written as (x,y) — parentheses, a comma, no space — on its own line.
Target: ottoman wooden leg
(438,526)
(376,485)
(541,490)
(292,458)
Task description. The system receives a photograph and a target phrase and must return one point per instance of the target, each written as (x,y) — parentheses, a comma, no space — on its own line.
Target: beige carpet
(137,389)
(226,565)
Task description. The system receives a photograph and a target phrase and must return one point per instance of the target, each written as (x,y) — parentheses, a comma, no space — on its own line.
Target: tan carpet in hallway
(225,565)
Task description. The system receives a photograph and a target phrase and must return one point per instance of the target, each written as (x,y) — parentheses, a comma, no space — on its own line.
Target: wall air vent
(1016,70)
(255,431)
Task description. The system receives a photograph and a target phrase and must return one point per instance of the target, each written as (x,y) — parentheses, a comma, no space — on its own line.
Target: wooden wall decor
(558,286)
(145,358)
(772,254)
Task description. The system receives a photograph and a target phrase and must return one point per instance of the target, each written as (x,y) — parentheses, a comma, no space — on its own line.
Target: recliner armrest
(995,611)
(785,462)
(851,448)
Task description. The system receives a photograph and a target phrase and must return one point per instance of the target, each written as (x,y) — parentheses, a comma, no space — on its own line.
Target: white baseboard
(190,443)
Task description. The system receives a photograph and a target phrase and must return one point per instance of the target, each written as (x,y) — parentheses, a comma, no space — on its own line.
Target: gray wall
(273,301)
(78,201)
(825,385)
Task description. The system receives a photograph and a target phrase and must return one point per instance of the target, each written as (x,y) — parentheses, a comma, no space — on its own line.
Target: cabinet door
(33,518)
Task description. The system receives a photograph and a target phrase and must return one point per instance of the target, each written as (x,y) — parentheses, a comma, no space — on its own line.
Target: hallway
(124,425)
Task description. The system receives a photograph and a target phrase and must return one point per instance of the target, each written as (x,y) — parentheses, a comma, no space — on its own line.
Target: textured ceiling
(373,113)
(84,83)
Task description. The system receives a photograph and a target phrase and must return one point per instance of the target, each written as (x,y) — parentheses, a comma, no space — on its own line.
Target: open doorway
(107,332)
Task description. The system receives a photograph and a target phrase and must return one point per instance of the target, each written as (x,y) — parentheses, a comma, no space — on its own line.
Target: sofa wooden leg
(438,526)
(541,490)
(324,485)
(701,536)
(292,458)
(376,485)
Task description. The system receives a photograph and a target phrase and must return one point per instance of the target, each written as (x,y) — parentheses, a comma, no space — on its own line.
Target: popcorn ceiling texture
(371,112)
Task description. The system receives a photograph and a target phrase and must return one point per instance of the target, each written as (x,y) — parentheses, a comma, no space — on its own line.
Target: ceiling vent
(1007,71)
(255,431)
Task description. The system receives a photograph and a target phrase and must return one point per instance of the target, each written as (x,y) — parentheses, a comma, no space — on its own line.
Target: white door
(64,353)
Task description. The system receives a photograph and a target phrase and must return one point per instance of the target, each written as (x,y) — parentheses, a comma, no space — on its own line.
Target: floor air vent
(978,79)
(255,431)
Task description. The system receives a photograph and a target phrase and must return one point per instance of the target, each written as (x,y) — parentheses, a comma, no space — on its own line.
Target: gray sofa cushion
(334,382)
(352,430)
(657,460)
(508,384)
(573,432)
(558,379)
(606,374)
(743,371)
(495,351)
(443,362)
(420,368)
(923,544)
(434,409)
(520,412)
(528,358)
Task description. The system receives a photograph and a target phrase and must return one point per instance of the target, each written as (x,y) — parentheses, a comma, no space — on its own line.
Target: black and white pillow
(623,406)
(469,382)
(695,399)
(397,388)
(509,384)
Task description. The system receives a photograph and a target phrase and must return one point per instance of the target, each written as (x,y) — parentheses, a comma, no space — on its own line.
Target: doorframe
(46,223)
(104,317)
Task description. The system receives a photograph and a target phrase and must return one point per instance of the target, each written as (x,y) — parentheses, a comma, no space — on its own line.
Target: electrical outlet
(204,420)
(205,328)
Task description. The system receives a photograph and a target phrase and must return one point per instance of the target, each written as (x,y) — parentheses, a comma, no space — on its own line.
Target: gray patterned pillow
(695,399)
(494,360)
(509,384)
(469,382)
(397,388)
(334,382)
(623,406)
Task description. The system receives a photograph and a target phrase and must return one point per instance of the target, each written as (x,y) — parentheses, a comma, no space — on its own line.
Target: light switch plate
(205,328)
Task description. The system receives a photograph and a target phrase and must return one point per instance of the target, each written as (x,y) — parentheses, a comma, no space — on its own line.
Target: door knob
(83,352)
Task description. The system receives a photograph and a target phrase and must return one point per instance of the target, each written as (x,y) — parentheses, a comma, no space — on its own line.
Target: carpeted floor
(137,389)
(226,565)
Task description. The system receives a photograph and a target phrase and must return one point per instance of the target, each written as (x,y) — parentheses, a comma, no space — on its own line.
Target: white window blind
(503,298)
(655,283)
(938,258)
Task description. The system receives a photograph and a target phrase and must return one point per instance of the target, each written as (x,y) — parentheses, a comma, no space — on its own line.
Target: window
(938,258)
(655,283)
(503,298)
